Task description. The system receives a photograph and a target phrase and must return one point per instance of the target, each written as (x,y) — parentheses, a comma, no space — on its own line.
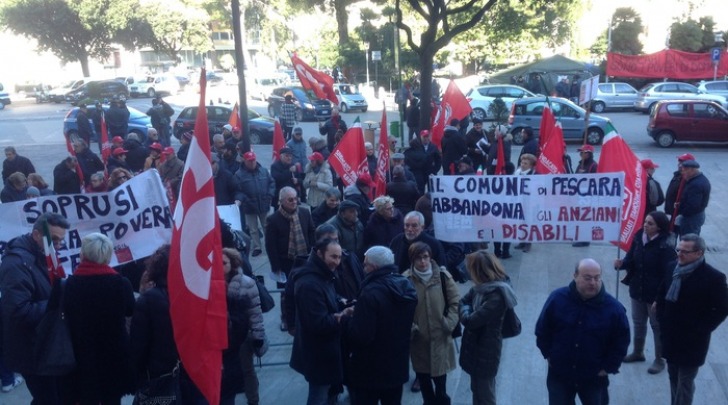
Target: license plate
(324,111)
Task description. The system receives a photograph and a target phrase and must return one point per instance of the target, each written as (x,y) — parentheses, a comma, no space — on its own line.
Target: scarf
(425,276)
(296,241)
(680,273)
(86,268)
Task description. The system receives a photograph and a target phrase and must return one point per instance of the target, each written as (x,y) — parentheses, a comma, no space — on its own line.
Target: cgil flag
(105,144)
(197,293)
(315,80)
(548,122)
(349,157)
(55,270)
(278,141)
(380,177)
(453,105)
(234,119)
(551,159)
(616,156)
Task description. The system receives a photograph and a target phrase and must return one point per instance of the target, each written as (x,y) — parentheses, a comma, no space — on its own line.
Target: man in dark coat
(16,163)
(285,174)
(398,160)
(26,287)
(674,186)
(89,162)
(330,127)
(85,131)
(117,119)
(65,177)
(348,227)
(359,194)
(414,226)
(693,200)
(423,158)
(117,159)
(255,188)
(477,143)
(16,188)
(453,148)
(568,320)
(404,192)
(691,303)
(225,187)
(317,342)
(413,117)
(530,143)
(136,153)
(379,332)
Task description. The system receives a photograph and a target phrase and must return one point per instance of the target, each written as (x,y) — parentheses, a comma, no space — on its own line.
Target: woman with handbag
(432,350)
(98,301)
(241,288)
(482,311)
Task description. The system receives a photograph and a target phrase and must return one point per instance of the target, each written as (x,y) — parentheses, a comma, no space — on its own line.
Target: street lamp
(366,56)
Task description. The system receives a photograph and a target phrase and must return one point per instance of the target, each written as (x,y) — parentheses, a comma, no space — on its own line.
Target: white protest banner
(540,208)
(588,89)
(231,215)
(135,216)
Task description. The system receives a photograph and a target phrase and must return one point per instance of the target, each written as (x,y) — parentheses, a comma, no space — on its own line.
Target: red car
(688,120)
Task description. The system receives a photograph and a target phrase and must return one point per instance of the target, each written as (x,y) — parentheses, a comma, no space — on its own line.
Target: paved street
(36,133)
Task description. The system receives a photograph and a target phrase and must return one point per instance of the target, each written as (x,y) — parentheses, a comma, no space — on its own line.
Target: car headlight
(308,106)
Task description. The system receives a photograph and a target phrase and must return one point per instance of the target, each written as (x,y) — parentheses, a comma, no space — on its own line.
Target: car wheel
(299,115)
(364,109)
(271,110)
(594,136)
(479,113)
(649,109)
(344,108)
(665,139)
(255,138)
(151,93)
(598,107)
(517,136)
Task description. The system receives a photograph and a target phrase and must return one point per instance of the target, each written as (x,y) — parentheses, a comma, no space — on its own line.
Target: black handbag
(511,324)
(458,331)
(266,300)
(163,390)
(54,348)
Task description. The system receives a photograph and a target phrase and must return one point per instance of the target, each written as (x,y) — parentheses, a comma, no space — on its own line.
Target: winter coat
(317,343)
(695,196)
(647,265)
(136,156)
(316,184)
(323,213)
(113,163)
(380,231)
(475,151)
(353,193)
(242,286)
(482,311)
(25,289)
(65,180)
(85,131)
(89,163)
(379,332)
(531,146)
(117,121)
(171,169)
(453,148)
(254,189)
(329,129)
(300,152)
(405,194)
(20,164)
(153,348)
(598,327)
(282,177)
(432,349)
(225,187)
(686,325)
(400,247)
(11,194)
(351,236)
(671,192)
(96,309)
(422,162)
(238,328)
(277,231)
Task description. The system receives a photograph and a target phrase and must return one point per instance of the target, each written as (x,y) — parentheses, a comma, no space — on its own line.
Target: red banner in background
(315,80)
(669,63)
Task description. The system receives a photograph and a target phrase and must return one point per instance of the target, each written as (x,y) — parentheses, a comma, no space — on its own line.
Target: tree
(626,29)
(73,31)
(686,36)
(339,9)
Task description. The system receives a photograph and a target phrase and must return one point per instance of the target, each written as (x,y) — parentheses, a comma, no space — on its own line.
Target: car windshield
(253,115)
(304,95)
(345,90)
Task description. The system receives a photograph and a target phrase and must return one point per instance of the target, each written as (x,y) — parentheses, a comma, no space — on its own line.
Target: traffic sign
(715,55)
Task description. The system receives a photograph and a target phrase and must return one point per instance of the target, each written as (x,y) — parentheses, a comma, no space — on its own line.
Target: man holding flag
(28,270)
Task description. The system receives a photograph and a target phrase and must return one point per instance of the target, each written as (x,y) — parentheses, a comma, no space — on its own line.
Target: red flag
(380,177)
(278,141)
(105,144)
(551,159)
(616,156)
(197,292)
(500,165)
(312,79)
(547,124)
(349,158)
(453,105)
(72,152)
(55,270)
(234,119)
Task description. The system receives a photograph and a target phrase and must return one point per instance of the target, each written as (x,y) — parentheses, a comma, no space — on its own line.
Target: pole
(240,68)
(715,70)
(376,78)
(366,56)
(399,72)
(609,44)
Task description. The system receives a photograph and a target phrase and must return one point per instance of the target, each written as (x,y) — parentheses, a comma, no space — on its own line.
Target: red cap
(316,157)
(117,139)
(119,151)
(424,132)
(156,146)
(649,164)
(249,156)
(168,150)
(364,179)
(685,156)
(586,148)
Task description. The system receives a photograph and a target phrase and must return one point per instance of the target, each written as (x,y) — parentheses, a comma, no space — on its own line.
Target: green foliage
(686,36)
(626,28)
(707,26)
(498,110)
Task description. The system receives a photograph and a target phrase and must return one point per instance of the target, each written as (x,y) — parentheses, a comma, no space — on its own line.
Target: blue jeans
(592,392)
(318,394)
(692,224)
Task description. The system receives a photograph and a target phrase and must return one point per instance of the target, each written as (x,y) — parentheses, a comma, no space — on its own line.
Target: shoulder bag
(511,324)
(162,390)
(458,331)
(266,300)
(54,348)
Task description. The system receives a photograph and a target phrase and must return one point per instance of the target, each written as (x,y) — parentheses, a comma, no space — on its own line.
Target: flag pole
(616,287)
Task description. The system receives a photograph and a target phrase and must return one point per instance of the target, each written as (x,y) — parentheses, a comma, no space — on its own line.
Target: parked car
(654,92)
(58,94)
(614,96)
(4,97)
(688,120)
(527,113)
(308,106)
(350,98)
(139,123)
(717,87)
(261,127)
(481,97)
(99,90)
(262,86)
(153,85)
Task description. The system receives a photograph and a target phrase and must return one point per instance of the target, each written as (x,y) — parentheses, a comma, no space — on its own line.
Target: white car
(718,87)
(481,98)
(153,85)
(652,93)
(349,98)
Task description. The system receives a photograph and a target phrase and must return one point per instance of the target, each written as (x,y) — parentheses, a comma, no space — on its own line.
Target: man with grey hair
(371,158)
(16,163)
(414,226)
(569,319)
(378,333)
(690,305)
(25,284)
(693,200)
(136,153)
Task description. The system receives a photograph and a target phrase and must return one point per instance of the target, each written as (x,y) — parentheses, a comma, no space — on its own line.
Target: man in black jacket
(85,131)
(378,334)
(414,226)
(65,177)
(26,287)
(453,148)
(16,163)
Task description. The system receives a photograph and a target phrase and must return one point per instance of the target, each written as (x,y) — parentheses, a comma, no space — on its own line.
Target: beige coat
(432,350)
(316,184)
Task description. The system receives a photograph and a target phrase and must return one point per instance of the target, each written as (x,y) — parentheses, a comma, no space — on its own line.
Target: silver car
(481,98)
(718,87)
(652,93)
(614,96)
